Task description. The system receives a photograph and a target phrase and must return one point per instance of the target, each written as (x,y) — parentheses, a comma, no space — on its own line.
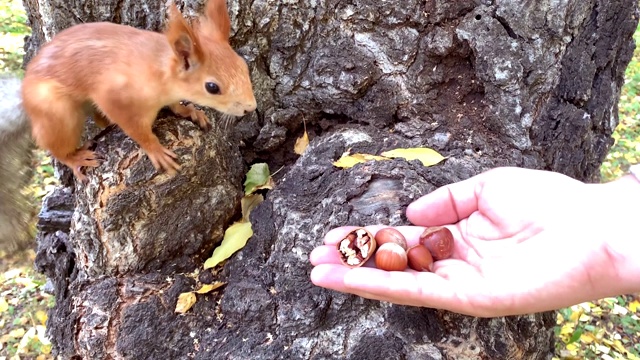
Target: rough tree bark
(487,83)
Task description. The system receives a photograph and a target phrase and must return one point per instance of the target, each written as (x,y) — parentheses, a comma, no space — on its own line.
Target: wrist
(618,203)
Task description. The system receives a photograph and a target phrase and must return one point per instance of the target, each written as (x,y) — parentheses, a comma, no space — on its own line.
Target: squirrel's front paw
(189,111)
(163,158)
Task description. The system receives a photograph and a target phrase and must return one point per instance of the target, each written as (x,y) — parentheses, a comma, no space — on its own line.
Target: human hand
(525,241)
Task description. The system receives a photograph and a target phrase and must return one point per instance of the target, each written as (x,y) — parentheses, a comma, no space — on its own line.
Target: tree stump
(486,83)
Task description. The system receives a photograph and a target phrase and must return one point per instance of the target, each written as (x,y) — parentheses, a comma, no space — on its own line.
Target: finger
(332,277)
(448,204)
(405,288)
(329,276)
(326,254)
(334,236)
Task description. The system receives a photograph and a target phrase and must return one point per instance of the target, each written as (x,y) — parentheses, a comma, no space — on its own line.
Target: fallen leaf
(427,156)
(248,203)
(210,287)
(41,316)
(268,186)
(235,238)
(28,337)
(567,329)
(257,176)
(42,336)
(26,282)
(301,143)
(348,161)
(17,333)
(587,338)
(185,302)
(619,310)
(13,273)
(585,318)
(617,345)
(602,349)
(634,305)
(4,305)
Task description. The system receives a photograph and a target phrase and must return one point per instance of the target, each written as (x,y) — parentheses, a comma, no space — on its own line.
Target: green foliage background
(13,29)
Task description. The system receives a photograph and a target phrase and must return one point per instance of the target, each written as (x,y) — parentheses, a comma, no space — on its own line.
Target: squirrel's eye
(212,88)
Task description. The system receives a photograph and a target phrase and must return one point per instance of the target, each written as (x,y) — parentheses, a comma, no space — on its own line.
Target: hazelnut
(391,235)
(356,248)
(420,258)
(439,241)
(391,257)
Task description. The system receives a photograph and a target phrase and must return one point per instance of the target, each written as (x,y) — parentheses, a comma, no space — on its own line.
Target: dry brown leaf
(185,302)
(301,144)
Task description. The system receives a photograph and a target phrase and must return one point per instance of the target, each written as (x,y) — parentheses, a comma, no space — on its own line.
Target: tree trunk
(487,83)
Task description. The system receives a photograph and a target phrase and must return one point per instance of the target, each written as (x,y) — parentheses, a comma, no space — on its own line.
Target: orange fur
(124,75)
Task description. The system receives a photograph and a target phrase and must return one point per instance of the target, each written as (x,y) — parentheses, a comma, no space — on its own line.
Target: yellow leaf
(587,338)
(572,347)
(17,333)
(26,282)
(45,349)
(210,287)
(584,318)
(4,305)
(567,328)
(248,203)
(185,302)
(575,316)
(617,344)
(41,316)
(634,306)
(348,161)
(235,238)
(301,143)
(427,156)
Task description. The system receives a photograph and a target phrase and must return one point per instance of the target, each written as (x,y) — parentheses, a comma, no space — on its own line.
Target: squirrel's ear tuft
(216,20)
(182,39)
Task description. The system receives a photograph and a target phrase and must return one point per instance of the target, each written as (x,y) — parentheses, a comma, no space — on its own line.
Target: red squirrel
(123,75)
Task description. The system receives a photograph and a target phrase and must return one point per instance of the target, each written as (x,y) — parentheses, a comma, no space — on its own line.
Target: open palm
(524,242)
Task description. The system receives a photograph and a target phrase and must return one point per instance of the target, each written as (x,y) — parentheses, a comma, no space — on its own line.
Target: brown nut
(391,235)
(356,248)
(391,257)
(420,258)
(439,241)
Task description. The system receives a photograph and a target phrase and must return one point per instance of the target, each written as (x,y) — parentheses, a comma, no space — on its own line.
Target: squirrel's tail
(15,168)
